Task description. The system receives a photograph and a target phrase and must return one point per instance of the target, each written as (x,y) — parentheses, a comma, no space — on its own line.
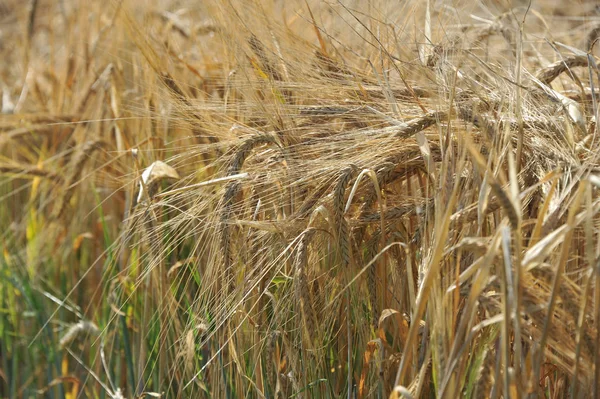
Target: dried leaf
(399,329)
(153,174)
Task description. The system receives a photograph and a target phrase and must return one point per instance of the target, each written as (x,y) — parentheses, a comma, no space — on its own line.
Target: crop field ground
(299,199)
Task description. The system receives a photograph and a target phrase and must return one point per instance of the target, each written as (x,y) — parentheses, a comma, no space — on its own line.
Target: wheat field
(299,199)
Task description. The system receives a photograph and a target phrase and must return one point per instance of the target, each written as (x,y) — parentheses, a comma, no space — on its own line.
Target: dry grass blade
(557,281)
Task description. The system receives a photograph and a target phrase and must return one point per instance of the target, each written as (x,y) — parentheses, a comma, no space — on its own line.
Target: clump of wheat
(326,199)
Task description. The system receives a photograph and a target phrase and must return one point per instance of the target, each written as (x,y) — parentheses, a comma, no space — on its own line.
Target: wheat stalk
(301,288)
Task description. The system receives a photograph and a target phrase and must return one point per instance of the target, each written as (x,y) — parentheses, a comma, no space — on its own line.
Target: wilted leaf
(154,173)
(398,328)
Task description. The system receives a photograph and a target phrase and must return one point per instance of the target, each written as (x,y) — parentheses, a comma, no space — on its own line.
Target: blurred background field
(265,198)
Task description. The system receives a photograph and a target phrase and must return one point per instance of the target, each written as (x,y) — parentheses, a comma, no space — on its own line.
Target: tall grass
(299,199)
